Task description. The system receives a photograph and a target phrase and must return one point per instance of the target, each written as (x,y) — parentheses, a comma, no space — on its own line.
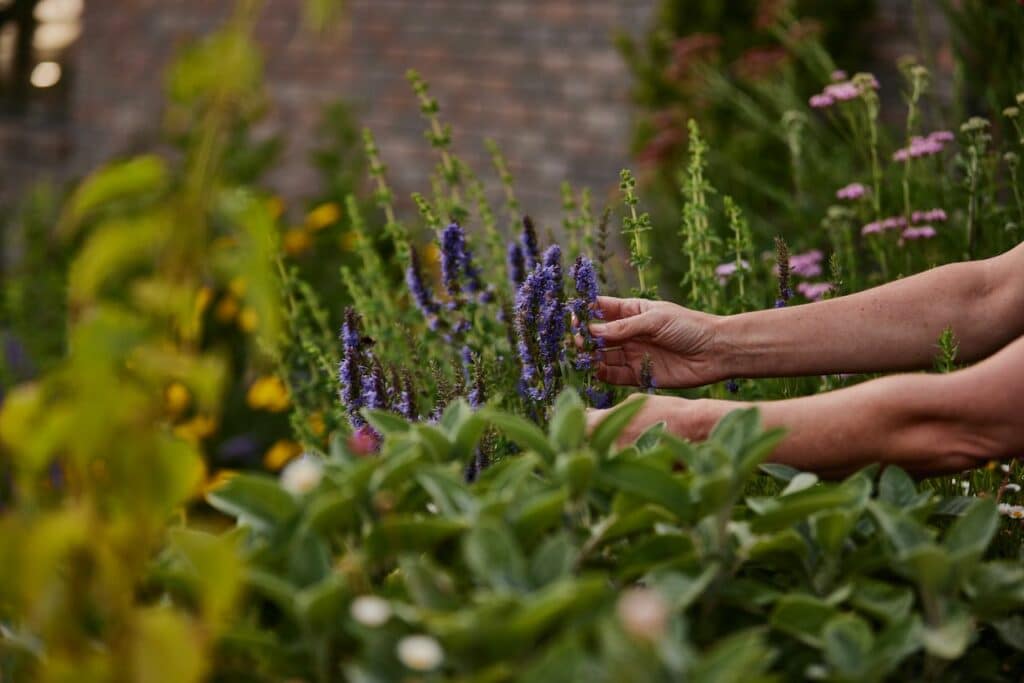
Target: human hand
(685,418)
(678,341)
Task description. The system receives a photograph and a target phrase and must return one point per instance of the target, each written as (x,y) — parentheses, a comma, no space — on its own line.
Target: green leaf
(576,470)
(972,532)
(802,616)
(406,533)
(1011,631)
(332,512)
(525,433)
(902,531)
(493,554)
(608,429)
(273,588)
(650,437)
(322,606)
(553,559)
(118,180)
(949,640)
(881,599)
(647,484)
(681,590)
(804,480)
(568,421)
(255,500)
(556,601)
(798,506)
(386,422)
(896,487)
(740,658)
(847,641)
(447,490)
(782,473)
(538,513)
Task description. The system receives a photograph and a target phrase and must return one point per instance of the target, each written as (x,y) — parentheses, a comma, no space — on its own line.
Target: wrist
(726,358)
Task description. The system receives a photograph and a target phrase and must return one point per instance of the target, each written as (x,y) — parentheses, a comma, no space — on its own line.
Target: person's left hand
(683,417)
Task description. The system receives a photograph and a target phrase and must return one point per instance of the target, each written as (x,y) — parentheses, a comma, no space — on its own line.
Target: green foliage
(538,563)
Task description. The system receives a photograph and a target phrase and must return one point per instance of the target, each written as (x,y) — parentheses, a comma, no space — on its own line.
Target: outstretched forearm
(889,328)
(926,424)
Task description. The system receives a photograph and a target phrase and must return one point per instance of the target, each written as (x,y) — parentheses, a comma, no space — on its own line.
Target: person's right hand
(678,342)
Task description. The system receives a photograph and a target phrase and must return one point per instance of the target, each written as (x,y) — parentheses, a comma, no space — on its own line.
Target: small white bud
(1012,488)
(643,613)
(302,475)
(1004,467)
(370,610)
(420,653)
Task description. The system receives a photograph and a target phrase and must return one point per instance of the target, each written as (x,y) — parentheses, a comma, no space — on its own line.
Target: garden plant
(450,516)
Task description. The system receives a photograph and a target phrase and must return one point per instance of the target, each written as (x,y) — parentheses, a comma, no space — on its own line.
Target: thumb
(623,329)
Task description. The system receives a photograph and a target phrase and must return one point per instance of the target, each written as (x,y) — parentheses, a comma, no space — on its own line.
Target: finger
(594,417)
(622,330)
(617,374)
(613,308)
(613,356)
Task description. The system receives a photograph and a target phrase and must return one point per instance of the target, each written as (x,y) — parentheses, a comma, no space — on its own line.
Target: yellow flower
(322,216)
(268,393)
(296,241)
(203,298)
(176,398)
(237,286)
(227,309)
(218,480)
(196,429)
(278,455)
(431,254)
(349,241)
(316,423)
(248,320)
(276,206)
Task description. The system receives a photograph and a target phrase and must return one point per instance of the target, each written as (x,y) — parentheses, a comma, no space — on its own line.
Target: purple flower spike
(350,370)
(420,292)
(516,263)
(453,247)
(531,250)
(584,279)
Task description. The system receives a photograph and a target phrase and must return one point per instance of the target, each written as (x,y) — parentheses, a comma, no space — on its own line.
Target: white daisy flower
(302,475)
(420,653)
(370,610)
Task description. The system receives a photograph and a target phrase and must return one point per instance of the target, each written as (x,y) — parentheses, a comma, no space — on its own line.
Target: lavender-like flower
(406,402)
(531,248)
(477,391)
(782,269)
(350,370)
(584,279)
(516,263)
(526,314)
(420,292)
(375,389)
(453,246)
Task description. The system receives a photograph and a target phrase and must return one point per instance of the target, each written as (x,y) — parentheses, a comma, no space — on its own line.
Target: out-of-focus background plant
(340,435)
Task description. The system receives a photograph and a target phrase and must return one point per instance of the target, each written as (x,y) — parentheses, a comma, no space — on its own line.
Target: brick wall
(541,77)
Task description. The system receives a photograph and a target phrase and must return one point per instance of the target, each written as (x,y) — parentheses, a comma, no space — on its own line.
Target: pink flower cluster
(814,291)
(914,231)
(725,270)
(933,143)
(851,191)
(841,91)
(930,216)
(807,264)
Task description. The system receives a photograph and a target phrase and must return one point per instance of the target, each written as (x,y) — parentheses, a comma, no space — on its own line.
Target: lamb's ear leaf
(385,422)
(525,433)
(568,422)
(608,429)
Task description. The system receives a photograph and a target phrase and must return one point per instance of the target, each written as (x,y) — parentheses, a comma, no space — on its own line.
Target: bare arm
(891,327)
(927,424)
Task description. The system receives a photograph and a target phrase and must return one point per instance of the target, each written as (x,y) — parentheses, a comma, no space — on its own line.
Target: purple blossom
(821,101)
(453,246)
(807,264)
(851,191)
(930,216)
(375,390)
(842,92)
(531,249)
(584,279)
(890,223)
(726,270)
(923,232)
(838,75)
(516,263)
(527,308)
(406,403)
(598,398)
(919,146)
(350,368)
(814,291)
(420,292)
(732,386)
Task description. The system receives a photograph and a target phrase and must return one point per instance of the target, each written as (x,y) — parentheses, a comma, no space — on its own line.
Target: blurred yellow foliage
(278,455)
(323,216)
(268,393)
(296,241)
(177,398)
